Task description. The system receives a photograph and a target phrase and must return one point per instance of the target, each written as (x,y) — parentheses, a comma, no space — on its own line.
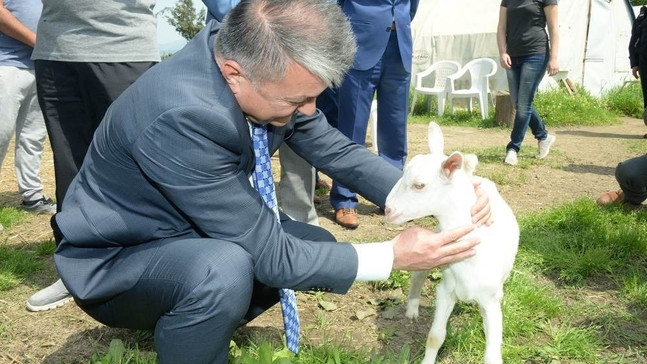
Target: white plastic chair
(480,70)
(441,70)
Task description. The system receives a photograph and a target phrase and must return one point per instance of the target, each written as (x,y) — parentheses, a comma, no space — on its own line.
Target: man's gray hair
(265,36)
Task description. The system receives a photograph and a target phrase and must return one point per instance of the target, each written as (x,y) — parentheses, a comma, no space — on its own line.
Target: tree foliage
(185,19)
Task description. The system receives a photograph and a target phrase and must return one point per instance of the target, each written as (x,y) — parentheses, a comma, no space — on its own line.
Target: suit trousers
(391,81)
(74,97)
(297,187)
(194,293)
(21,115)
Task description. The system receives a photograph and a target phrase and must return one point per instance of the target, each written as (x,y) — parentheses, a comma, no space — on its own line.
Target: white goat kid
(434,184)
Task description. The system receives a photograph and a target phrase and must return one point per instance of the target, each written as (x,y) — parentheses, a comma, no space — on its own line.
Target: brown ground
(581,165)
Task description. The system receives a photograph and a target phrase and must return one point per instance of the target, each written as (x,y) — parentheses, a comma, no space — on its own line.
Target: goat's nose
(387,210)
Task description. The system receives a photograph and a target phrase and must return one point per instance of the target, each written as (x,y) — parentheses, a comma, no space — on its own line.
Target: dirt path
(581,165)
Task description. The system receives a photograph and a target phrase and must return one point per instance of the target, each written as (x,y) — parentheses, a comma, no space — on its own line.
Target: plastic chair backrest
(444,70)
(480,70)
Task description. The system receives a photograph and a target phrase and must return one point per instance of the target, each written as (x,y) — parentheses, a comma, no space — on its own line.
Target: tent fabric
(594,35)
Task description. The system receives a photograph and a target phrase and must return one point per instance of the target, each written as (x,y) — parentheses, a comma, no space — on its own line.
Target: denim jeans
(523,80)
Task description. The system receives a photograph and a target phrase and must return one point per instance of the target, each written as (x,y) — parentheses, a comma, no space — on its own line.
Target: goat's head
(431,182)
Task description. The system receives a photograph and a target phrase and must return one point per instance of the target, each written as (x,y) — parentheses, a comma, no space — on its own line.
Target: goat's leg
(445,301)
(418,279)
(493,327)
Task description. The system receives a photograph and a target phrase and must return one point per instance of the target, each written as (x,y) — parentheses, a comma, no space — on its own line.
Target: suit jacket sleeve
(354,165)
(197,166)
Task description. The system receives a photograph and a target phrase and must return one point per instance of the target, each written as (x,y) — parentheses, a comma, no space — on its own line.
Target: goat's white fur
(434,184)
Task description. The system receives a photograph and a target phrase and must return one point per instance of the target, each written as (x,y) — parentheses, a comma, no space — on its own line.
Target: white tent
(594,35)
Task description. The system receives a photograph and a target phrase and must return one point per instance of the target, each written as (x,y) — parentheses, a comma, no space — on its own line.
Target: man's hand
(635,71)
(420,249)
(481,213)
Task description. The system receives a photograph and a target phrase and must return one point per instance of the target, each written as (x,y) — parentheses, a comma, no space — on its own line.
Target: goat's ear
(469,163)
(454,162)
(435,139)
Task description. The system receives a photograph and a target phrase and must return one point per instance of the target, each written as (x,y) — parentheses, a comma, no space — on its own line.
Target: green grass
(548,319)
(579,241)
(556,107)
(10,216)
(626,100)
(16,264)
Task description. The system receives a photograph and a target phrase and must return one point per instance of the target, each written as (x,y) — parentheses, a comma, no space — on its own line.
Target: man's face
(276,102)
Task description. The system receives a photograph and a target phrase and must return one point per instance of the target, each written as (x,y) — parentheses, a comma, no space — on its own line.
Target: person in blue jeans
(526,52)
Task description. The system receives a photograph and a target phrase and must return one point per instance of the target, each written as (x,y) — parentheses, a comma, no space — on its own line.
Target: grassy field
(577,294)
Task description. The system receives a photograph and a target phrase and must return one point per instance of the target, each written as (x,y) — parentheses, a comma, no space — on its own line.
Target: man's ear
(232,73)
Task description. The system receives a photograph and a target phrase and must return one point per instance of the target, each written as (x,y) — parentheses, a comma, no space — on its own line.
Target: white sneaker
(50,297)
(510,157)
(544,146)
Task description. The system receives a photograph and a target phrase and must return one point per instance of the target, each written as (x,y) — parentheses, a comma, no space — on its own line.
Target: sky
(165,32)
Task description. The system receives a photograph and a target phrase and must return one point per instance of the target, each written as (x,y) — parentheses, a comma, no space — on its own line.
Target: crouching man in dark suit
(162,228)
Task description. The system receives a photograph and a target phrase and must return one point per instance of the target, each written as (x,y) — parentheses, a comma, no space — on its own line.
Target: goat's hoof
(412,314)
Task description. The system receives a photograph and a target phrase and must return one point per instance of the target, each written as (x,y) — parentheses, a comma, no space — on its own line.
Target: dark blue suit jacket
(371,21)
(172,160)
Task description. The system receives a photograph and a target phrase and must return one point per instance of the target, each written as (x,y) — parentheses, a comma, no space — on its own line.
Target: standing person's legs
(632,178)
(523,80)
(297,186)
(67,120)
(393,101)
(642,70)
(30,138)
(328,103)
(21,116)
(11,96)
(74,97)
(355,97)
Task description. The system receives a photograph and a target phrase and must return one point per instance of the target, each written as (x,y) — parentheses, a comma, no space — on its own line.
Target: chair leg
(469,105)
(484,106)
(441,104)
(413,102)
(451,104)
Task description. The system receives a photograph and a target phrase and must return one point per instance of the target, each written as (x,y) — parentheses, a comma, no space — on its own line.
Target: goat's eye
(418,186)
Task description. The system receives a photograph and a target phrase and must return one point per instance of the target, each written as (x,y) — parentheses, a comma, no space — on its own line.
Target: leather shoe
(347,218)
(610,197)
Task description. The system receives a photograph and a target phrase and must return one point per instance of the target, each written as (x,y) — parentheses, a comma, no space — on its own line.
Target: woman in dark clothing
(526,52)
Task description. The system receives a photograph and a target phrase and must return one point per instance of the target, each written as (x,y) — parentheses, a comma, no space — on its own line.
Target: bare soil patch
(581,165)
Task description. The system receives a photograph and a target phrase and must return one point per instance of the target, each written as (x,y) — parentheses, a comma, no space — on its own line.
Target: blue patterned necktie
(264,184)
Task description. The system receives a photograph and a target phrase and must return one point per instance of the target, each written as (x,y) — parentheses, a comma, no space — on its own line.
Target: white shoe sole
(49,306)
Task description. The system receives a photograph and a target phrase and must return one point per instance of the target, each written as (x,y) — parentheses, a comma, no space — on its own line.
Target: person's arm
(553,32)
(501,38)
(414,249)
(12,27)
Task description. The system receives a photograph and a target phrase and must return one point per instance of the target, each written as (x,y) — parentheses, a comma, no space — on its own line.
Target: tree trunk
(504,112)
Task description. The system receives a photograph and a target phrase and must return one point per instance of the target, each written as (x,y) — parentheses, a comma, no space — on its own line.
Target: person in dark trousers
(632,178)
(638,55)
